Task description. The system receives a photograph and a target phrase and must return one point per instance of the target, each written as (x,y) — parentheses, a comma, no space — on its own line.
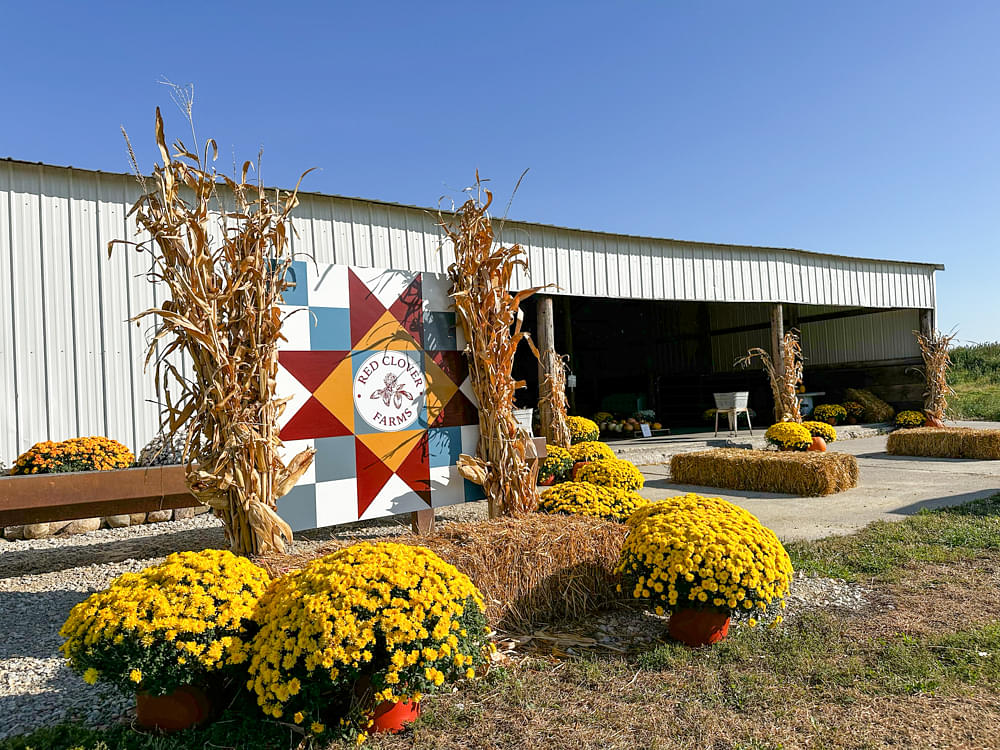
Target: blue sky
(867,129)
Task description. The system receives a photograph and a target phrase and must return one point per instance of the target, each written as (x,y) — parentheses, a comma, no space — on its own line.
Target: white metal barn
(644,320)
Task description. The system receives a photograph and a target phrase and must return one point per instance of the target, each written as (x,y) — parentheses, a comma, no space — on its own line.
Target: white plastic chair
(733,404)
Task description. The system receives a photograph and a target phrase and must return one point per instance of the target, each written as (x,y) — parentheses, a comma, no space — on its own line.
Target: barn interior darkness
(630,354)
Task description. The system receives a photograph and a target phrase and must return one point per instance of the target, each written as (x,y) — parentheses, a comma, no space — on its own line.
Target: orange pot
(576,467)
(391,717)
(548,482)
(185,707)
(698,627)
(818,444)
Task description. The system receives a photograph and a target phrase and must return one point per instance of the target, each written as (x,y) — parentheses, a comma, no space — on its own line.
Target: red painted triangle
(372,475)
(416,469)
(409,310)
(311,368)
(313,420)
(365,307)
(453,363)
(458,411)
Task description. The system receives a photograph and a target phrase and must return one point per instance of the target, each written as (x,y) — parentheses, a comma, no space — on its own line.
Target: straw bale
(806,474)
(945,442)
(875,409)
(531,569)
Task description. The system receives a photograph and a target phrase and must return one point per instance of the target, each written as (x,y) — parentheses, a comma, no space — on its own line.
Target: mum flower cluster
(829,413)
(590,450)
(582,430)
(611,472)
(821,429)
(556,465)
(910,419)
(173,624)
(790,436)
(585,499)
(76,454)
(703,553)
(390,616)
(854,409)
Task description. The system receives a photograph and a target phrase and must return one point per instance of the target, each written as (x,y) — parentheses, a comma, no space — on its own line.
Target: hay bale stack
(807,474)
(531,570)
(875,409)
(945,442)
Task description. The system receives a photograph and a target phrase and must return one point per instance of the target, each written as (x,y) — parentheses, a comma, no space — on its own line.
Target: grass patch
(882,548)
(975,377)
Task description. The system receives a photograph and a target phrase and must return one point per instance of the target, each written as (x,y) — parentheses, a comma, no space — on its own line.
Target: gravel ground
(41,579)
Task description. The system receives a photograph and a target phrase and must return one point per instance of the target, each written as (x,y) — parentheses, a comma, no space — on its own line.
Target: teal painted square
(298,294)
(473,492)
(444,445)
(439,331)
(335,458)
(298,507)
(329,329)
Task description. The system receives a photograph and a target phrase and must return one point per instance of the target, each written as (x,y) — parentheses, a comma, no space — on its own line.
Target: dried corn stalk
(222,312)
(552,396)
(785,383)
(490,316)
(934,348)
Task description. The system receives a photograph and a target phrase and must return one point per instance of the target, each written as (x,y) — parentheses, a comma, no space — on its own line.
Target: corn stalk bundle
(552,396)
(222,312)
(934,349)
(490,316)
(785,382)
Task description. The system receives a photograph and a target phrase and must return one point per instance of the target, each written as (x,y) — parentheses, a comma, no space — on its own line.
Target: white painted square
(435,288)
(336,502)
(286,386)
(327,285)
(470,439)
(295,325)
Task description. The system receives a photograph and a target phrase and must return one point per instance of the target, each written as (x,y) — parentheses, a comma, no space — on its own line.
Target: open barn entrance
(670,357)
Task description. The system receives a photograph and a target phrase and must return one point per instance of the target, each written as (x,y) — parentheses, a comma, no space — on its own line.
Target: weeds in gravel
(882,548)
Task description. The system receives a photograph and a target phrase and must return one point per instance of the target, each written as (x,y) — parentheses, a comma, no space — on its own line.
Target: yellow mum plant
(694,552)
(590,450)
(173,624)
(76,454)
(556,466)
(612,472)
(366,624)
(586,499)
(821,429)
(582,430)
(829,413)
(789,436)
(854,409)
(910,419)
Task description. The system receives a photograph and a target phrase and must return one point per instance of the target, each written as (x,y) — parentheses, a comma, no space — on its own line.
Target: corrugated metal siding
(71,365)
(880,336)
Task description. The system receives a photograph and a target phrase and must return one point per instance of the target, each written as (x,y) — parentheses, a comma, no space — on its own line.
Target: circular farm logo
(388,390)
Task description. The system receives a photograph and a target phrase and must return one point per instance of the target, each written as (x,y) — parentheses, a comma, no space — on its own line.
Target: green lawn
(975,377)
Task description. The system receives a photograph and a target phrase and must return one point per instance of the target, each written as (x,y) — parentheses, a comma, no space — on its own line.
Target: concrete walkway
(890,488)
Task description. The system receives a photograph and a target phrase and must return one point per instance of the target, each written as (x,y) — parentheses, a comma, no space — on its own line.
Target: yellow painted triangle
(335,393)
(387,333)
(391,448)
(440,388)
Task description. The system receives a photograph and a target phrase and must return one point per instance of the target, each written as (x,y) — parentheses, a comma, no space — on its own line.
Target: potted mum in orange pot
(168,634)
(704,561)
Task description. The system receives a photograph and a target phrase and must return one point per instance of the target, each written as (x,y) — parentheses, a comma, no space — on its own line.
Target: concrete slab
(890,488)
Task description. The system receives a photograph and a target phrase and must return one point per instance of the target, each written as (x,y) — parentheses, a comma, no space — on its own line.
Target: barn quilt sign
(379,386)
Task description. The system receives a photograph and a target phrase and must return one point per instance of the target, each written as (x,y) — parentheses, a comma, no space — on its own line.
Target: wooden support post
(927,322)
(546,342)
(778,338)
(422,522)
